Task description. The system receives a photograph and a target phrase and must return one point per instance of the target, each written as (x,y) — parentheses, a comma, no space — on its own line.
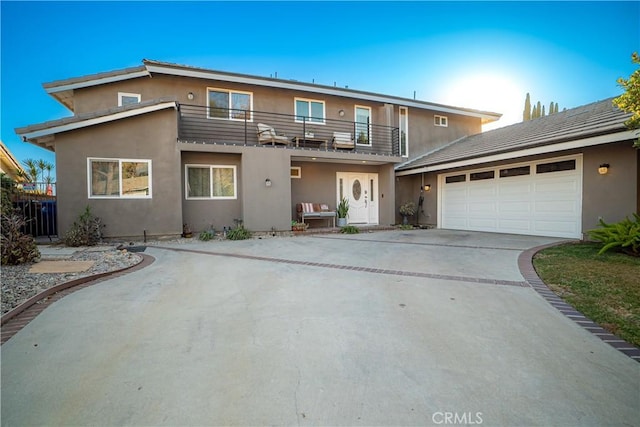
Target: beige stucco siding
(150,136)
(318,185)
(424,136)
(611,197)
(202,214)
(614,195)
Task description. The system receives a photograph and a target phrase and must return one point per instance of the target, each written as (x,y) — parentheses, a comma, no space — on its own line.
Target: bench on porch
(315,211)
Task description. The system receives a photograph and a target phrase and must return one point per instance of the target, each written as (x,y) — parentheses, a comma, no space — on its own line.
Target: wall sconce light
(341,113)
(427,187)
(190,96)
(603,169)
(267,182)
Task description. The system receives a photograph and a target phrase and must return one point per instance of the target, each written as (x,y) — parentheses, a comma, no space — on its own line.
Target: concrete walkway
(388,328)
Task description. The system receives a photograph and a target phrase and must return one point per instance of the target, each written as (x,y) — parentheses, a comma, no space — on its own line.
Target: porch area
(219,126)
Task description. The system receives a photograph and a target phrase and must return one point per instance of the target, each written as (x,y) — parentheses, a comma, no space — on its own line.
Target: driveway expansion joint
(528,271)
(355,268)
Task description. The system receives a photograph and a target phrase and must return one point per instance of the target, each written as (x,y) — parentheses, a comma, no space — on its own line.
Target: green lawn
(605,288)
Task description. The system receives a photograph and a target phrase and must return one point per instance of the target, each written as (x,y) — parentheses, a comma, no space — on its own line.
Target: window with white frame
(128,98)
(210,182)
(363,125)
(309,110)
(229,104)
(119,178)
(404,131)
(441,121)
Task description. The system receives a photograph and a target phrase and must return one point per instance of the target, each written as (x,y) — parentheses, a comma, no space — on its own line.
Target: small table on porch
(307,140)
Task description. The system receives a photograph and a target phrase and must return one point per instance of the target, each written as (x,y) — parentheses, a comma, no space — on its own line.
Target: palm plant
(31,169)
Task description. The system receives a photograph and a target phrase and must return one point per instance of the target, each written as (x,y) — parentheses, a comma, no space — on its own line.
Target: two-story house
(153,147)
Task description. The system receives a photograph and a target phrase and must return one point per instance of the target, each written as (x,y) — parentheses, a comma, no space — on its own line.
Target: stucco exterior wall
(318,185)
(614,195)
(202,214)
(423,135)
(266,208)
(408,189)
(150,136)
(611,197)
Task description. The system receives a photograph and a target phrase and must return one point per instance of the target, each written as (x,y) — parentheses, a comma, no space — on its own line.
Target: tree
(629,101)
(537,110)
(31,169)
(526,114)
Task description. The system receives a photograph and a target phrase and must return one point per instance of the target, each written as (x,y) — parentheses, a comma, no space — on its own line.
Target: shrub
(350,229)
(623,236)
(17,247)
(85,231)
(408,209)
(238,233)
(207,235)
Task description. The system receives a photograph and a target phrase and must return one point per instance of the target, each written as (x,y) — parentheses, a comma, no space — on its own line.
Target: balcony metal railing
(239,127)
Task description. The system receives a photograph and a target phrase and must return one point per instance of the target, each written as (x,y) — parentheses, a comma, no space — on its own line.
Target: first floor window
(113,178)
(227,104)
(309,110)
(210,182)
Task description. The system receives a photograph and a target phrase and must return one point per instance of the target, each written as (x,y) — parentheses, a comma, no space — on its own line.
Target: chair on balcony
(343,140)
(268,135)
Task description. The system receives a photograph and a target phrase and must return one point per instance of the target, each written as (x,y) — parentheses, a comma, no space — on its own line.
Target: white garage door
(542,198)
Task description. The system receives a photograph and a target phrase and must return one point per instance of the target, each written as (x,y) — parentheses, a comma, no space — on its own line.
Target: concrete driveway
(425,327)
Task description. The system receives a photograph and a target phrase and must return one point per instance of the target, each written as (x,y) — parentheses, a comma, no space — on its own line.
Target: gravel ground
(18,284)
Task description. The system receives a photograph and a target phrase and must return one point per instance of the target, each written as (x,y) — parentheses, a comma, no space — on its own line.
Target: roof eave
(626,135)
(201,73)
(44,137)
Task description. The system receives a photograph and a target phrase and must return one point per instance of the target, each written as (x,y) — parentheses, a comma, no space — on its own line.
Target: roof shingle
(597,118)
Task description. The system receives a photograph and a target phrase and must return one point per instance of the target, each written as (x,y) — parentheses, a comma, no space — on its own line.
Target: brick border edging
(525,264)
(70,286)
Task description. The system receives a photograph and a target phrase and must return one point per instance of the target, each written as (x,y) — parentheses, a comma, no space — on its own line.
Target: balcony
(239,127)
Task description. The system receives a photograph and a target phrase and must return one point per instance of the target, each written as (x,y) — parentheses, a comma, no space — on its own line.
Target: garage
(541,198)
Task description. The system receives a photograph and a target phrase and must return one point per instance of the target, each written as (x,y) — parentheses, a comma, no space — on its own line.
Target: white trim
(120,196)
(299,174)
(406,115)
(210,168)
(546,149)
(309,118)
(129,95)
(98,81)
(230,92)
(356,123)
(438,121)
(212,75)
(98,120)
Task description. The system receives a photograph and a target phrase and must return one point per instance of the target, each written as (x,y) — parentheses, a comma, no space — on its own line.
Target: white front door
(361,190)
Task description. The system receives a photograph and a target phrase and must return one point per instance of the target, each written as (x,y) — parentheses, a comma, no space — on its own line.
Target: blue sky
(484,55)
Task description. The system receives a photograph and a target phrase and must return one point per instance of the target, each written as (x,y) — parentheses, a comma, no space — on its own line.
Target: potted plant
(406,210)
(186,231)
(342,211)
(298,226)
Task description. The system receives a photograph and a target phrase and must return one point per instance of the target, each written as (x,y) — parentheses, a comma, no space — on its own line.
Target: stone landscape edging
(61,287)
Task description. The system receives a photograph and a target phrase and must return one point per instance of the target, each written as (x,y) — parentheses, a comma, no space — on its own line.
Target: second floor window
(441,121)
(128,98)
(228,104)
(309,110)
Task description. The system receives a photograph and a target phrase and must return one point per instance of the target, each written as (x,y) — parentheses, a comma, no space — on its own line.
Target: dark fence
(37,203)
(240,127)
